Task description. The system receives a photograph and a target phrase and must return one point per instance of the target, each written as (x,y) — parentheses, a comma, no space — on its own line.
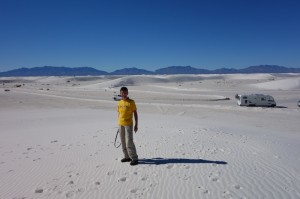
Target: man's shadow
(159,161)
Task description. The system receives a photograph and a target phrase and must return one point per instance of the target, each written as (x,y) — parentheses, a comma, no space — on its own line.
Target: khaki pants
(128,147)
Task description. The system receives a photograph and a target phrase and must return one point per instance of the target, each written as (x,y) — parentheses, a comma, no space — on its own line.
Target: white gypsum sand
(57,137)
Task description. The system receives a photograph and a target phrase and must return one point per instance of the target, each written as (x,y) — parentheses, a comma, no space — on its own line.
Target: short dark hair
(124,89)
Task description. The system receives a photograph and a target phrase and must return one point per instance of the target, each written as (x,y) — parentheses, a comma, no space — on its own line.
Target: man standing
(127,109)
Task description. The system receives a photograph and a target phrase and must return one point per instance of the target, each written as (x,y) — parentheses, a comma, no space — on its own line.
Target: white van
(117,97)
(255,100)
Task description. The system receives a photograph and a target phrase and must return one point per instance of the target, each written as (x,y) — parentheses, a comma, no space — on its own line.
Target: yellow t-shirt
(126,109)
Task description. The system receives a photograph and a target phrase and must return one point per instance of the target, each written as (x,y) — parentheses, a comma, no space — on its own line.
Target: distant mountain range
(84,71)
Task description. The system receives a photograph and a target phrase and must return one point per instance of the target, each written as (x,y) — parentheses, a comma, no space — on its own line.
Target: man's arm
(136,121)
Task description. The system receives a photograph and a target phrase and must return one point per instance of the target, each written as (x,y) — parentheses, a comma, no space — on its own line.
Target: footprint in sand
(110,173)
(71,182)
(123,179)
(237,187)
(214,179)
(170,166)
(144,178)
(97,183)
(39,190)
(133,190)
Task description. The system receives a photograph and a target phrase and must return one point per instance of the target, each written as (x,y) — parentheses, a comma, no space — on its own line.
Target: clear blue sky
(149,34)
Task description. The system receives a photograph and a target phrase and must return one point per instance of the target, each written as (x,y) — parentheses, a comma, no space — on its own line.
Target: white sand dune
(136,80)
(250,76)
(57,138)
(284,84)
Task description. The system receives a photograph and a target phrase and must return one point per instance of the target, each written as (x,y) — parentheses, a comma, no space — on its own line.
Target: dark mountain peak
(181,70)
(84,71)
(267,69)
(131,71)
(53,71)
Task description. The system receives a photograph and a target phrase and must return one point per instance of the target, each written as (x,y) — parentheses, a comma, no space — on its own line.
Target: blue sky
(149,34)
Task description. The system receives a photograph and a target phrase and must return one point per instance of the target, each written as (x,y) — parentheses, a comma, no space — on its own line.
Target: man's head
(124,93)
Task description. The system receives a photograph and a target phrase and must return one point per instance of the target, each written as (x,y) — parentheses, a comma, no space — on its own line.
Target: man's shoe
(134,162)
(126,160)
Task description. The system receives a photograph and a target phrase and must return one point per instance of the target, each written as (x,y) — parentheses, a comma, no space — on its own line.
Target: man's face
(124,94)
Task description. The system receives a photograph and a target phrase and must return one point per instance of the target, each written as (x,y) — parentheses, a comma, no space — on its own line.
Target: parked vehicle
(117,97)
(299,103)
(255,100)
